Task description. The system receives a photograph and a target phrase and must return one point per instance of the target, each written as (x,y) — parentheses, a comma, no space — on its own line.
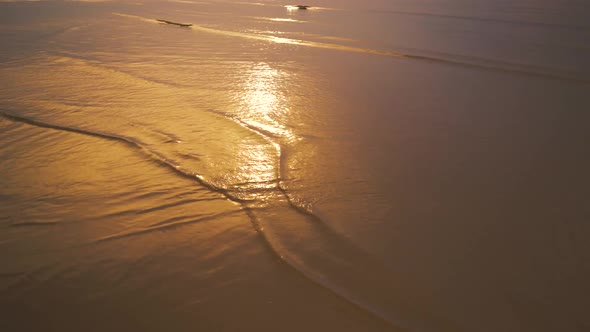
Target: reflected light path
(262,103)
(263,108)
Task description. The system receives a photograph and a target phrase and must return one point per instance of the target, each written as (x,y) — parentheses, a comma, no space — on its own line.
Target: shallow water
(373,165)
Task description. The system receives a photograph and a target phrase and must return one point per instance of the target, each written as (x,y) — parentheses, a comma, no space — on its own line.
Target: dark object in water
(175,23)
(303,6)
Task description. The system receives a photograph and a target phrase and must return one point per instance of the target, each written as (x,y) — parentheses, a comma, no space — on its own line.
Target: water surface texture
(358,166)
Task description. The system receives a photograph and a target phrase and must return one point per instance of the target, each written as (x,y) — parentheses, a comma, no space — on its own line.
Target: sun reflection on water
(263,108)
(264,105)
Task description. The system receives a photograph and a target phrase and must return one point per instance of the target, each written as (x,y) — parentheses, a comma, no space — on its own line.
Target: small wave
(63,56)
(173,220)
(172,138)
(134,143)
(175,204)
(112,137)
(297,237)
(257,129)
(329,259)
(34,224)
(152,209)
(487,19)
(165,225)
(456,60)
(194,156)
(168,137)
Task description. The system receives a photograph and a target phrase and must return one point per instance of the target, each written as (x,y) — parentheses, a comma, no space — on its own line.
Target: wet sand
(360,166)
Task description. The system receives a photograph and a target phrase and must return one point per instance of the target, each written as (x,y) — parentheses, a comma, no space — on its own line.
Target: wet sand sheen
(239,175)
(163,278)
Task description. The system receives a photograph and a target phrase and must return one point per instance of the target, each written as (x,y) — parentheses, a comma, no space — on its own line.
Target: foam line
(156,156)
(327,258)
(484,64)
(164,225)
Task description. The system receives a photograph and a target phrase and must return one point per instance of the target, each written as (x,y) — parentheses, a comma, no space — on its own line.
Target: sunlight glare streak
(264,103)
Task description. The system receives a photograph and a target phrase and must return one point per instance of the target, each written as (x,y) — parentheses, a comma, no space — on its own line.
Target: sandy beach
(352,166)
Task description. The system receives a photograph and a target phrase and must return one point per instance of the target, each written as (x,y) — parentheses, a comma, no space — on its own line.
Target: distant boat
(175,23)
(303,6)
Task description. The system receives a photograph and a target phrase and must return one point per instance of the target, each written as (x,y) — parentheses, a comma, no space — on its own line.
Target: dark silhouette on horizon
(175,23)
